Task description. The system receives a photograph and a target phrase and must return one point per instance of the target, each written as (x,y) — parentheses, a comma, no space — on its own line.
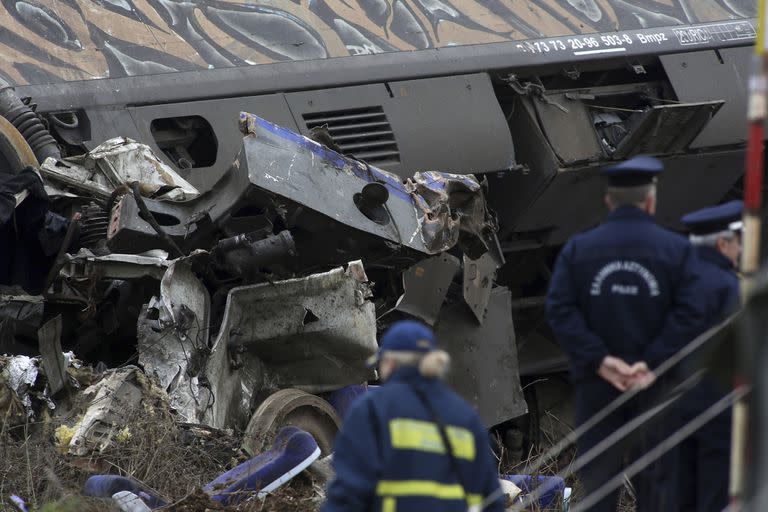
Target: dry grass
(172,459)
(553,429)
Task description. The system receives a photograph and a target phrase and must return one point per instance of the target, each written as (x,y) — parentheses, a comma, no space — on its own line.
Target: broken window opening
(614,116)
(188,141)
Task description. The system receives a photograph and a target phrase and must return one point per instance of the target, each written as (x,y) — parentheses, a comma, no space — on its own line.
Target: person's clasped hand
(623,376)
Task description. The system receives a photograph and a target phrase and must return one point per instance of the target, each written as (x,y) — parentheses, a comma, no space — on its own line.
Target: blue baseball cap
(707,221)
(405,336)
(638,170)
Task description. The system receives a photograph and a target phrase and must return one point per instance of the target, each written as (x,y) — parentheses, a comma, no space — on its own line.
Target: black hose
(147,216)
(29,124)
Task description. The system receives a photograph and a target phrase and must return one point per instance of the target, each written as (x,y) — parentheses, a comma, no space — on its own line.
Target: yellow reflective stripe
(462,442)
(388,504)
(410,434)
(474,499)
(427,489)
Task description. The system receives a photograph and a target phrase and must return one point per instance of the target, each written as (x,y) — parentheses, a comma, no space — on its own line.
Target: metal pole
(750,262)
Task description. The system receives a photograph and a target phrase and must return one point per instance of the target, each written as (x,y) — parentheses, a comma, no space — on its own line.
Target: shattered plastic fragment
(292,452)
(19,503)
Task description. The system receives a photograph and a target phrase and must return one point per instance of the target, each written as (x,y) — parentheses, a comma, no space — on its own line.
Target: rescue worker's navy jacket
(389,455)
(625,288)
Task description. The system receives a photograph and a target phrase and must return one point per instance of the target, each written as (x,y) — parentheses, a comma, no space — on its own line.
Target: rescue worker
(390,453)
(705,455)
(621,301)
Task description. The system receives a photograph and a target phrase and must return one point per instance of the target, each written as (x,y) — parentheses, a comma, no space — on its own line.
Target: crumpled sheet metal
(21,373)
(311,333)
(115,162)
(431,192)
(426,214)
(452,210)
(86,265)
(173,341)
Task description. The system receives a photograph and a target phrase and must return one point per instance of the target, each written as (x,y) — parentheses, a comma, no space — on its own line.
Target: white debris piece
(510,490)
(129,502)
(112,400)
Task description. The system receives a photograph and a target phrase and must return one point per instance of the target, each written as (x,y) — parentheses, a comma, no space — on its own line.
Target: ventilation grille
(362,133)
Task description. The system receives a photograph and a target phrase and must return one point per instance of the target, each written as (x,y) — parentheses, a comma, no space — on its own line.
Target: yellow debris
(124,435)
(63,436)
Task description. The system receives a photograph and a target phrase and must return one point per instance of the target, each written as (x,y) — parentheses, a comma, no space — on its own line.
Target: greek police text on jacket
(626,289)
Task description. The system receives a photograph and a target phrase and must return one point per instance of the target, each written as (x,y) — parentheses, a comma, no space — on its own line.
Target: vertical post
(750,262)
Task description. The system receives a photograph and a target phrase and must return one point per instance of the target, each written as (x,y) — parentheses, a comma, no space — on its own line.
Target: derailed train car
(530,98)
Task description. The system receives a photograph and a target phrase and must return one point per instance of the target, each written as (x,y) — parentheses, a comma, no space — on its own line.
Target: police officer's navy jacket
(718,285)
(625,288)
(389,455)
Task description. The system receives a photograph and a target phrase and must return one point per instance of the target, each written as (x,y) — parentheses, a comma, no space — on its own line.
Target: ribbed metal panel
(362,133)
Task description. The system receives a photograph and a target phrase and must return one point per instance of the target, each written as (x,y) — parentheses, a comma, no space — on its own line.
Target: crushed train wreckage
(250,304)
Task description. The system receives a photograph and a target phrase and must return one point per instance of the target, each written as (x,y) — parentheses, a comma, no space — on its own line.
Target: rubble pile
(121,426)
(168,335)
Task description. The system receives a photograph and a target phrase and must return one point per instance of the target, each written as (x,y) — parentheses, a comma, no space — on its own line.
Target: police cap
(637,171)
(724,217)
(406,336)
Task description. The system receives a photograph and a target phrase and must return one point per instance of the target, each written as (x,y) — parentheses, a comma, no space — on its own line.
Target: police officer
(390,454)
(705,456)
(621,301)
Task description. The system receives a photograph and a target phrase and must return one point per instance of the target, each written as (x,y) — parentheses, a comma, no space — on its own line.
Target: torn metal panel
(313,333)
(478,281)
(54,362)
(114,163)
(450,206)
(361,196)
(224,380)
(426,284)
(303,171)
(85,265)
(173,341)
(485,367)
